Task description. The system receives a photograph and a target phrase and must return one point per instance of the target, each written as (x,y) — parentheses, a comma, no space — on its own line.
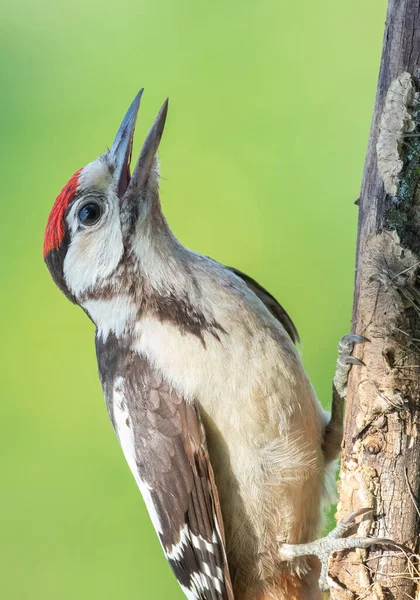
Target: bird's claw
(333,542)
(350,360)
(348,341)
(346,522)
(346,360)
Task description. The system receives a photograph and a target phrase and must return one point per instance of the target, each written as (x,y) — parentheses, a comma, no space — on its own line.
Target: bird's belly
(270,490)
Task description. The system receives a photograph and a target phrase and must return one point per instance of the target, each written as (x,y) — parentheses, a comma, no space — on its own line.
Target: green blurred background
(262,157)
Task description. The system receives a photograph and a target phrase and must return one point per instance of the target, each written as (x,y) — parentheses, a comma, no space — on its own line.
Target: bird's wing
(164,442)
(271,303)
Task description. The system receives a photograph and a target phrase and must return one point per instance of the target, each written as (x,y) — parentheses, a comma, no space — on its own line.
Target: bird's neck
(157,278)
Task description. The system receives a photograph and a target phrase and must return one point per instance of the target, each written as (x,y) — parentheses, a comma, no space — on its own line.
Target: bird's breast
(247,379)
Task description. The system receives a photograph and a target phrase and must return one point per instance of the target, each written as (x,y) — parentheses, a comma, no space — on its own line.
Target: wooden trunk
(381,449)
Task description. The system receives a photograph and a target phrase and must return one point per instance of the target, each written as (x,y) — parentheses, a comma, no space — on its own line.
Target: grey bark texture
(380,465)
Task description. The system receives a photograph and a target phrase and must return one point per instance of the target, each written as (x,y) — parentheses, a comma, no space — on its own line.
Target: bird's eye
(90,213)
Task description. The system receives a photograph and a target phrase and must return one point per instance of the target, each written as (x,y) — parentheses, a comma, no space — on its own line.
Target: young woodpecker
(208,396)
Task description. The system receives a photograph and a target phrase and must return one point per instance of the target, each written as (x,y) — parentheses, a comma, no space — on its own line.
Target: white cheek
(94,254)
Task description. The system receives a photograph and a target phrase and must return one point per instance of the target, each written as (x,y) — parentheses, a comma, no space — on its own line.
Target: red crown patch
(54,232)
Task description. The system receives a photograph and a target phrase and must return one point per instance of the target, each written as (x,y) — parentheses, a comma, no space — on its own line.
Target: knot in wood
(372,444)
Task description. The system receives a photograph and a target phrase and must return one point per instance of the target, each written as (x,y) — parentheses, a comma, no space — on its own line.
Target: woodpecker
(207,393)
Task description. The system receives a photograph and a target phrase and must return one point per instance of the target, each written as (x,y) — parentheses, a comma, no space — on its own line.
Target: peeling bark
(381,447)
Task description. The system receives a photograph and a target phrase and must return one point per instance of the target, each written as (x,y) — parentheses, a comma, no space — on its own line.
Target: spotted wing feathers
(170,462)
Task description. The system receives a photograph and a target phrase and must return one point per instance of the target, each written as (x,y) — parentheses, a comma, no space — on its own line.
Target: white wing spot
(176,551)
(217,585)
(191,594)
(200,581)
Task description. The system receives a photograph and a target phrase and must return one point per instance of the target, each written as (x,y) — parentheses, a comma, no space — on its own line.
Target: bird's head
(102,211)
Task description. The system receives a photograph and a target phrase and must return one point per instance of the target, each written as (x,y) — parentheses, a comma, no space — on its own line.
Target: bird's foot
(333,542)
(333,433)
(346,360)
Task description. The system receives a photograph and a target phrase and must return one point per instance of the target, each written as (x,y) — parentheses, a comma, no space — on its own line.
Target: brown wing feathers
(271,303)
(174,467)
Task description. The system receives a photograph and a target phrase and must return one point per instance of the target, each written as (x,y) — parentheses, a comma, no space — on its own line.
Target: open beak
(123,145)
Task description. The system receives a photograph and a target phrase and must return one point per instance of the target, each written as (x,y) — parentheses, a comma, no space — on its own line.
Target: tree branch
(381,447)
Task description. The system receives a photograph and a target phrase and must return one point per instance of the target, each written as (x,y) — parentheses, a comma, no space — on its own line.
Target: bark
(380,465)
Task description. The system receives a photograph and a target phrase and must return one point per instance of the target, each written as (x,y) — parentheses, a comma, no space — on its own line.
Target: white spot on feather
(177,550)
(190,594)
(217,584)
(199,542)
(200,581)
